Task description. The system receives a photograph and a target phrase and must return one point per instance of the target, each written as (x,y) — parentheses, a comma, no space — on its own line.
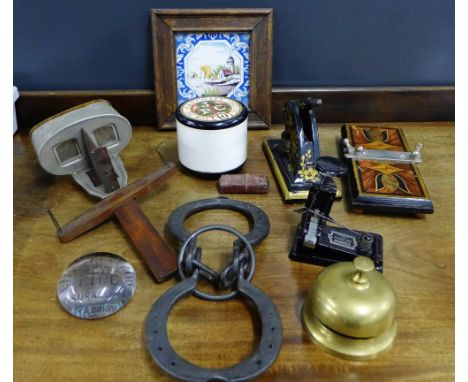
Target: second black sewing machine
(302,174)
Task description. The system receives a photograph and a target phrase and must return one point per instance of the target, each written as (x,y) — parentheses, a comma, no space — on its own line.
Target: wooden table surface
(51,345)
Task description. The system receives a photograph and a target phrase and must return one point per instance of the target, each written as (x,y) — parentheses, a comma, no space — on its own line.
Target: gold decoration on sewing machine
(307,172)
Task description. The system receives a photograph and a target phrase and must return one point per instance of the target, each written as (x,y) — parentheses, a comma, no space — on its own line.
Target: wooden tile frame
(258,22)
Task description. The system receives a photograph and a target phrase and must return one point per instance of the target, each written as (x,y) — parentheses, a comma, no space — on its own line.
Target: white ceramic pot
(212,135)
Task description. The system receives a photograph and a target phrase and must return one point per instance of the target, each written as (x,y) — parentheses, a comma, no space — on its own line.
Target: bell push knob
(350,310)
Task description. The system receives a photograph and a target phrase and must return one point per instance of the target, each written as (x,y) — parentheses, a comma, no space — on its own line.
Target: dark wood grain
(158,256)
(256,21)
(183,23)
(215,12)
(261,51)
(386,104)
(339,104)
(164,71)
(34,106)
(50,345)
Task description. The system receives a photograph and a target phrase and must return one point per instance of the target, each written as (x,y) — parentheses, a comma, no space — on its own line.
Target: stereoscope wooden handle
(157,254)
(121,204)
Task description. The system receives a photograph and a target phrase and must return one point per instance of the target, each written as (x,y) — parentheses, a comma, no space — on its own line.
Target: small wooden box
(380,186)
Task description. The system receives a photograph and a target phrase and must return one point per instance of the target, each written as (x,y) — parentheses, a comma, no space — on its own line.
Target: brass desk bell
(350,310)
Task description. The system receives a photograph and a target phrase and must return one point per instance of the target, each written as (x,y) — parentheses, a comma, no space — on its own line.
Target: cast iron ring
(242,238)
(168,360)
(258,218)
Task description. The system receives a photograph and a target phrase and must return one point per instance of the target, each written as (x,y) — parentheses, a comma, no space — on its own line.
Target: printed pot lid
(211,113)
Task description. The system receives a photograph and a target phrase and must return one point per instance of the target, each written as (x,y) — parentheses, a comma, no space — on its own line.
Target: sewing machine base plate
(279,164)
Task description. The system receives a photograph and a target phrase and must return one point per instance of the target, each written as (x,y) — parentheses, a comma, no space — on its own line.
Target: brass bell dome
(350,310)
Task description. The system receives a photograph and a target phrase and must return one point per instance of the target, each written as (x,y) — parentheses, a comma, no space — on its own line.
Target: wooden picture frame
(167,23)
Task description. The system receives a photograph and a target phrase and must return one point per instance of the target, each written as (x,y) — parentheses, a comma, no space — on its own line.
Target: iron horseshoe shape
(259,360)
(258,218)
(168,360)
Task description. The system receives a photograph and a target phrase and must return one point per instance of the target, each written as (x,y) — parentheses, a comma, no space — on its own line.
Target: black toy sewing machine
(317,243)
(293,157)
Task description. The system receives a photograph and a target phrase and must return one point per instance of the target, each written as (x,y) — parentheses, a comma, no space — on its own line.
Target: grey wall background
(106,44)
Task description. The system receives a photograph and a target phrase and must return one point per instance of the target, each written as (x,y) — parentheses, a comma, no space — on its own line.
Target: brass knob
(363,266)
(350,305)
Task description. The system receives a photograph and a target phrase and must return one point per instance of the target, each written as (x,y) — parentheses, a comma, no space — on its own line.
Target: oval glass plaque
(96,285)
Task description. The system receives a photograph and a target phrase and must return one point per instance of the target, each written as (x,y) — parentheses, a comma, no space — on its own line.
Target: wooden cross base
(157,254)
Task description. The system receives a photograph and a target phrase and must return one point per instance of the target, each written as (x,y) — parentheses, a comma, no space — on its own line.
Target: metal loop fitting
(259,361)
(243,259)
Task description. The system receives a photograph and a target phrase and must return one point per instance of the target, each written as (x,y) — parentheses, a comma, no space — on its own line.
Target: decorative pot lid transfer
(211,113)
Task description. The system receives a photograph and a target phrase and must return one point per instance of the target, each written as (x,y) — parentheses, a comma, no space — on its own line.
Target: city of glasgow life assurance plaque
(96,285)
